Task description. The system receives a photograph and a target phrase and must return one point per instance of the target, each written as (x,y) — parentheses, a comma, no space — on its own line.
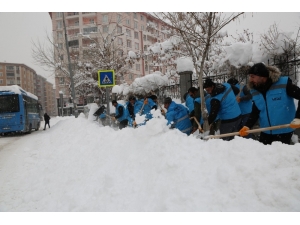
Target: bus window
(9,103)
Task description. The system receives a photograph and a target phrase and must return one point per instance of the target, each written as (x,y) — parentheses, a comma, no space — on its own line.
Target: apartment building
(26,78)
(133,31)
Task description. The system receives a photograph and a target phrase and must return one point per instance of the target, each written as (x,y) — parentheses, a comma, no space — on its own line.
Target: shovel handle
(249,131)
(199,125)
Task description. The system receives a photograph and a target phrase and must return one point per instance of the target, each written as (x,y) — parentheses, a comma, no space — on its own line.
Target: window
(0,67)
(59,15)
(142,27)
(10,68)
(1,74)
(1,81)
(60,46)
(145,47)
(135,25)
(10,74)
(92,21)
(61,57)
(128,22)
(105,29)
(11,82)
(119,18)
(73,43)
(146,67)
(145,37)
(119,30)
(61,80)
(135,15)
(59,24)
(128,32)
(120,53)
(136,46)
(89,30)
(104,18)
(120,41)
(136,35)
(59,35)
(130,76)
(128,43)
(142,18)
(137,66)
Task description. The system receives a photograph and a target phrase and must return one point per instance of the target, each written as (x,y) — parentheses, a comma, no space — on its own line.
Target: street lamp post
(61,103)
(70,68)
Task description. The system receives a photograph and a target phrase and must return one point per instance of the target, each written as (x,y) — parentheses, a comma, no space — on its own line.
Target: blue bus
(19,110)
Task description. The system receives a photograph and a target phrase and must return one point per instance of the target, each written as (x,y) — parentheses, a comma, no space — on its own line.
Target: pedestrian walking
(273,103)
(120,115)
(223,104)
(177,116)
(47,120)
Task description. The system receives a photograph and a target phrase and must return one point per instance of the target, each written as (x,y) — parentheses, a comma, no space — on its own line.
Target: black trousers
(229,127)
(123,124)
(267,139)
(46,122)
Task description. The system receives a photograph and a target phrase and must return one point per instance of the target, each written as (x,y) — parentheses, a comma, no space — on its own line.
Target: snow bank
(78,165)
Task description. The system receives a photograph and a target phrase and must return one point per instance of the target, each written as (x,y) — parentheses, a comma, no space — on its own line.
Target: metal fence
(289,66)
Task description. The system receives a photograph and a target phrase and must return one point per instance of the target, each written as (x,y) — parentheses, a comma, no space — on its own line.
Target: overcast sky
(19,29)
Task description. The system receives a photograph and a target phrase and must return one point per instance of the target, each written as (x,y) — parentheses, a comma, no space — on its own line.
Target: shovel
(253,131)
(199,125)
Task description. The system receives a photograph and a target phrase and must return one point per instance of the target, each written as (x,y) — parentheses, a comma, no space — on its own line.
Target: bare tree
(200,32)
(99,51)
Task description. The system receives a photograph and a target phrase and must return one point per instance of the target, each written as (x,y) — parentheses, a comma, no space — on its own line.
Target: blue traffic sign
(106,78)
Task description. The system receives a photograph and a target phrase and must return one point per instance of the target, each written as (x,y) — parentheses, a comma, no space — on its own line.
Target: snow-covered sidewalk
(79,165)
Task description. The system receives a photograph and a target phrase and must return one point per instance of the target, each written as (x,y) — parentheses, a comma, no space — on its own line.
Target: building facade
(27,79)
(132,31)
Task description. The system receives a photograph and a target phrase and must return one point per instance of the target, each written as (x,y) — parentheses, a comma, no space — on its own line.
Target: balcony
(88,14)
(71,15)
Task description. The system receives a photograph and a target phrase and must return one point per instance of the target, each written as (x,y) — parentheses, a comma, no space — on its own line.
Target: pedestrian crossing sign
(106,78)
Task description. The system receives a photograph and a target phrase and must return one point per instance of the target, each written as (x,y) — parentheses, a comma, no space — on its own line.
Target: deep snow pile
(79,165)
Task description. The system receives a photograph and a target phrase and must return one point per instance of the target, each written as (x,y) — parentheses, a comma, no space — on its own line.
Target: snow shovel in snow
(199,125)
(295,125)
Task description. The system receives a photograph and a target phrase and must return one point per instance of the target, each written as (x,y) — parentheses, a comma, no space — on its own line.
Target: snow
(148,83)
(80,166)
(184,64)
(18,90)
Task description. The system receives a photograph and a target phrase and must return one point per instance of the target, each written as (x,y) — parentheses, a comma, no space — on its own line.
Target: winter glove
(134,124)
(113,118)
(146,101)
(295,123)
(163,112)
(238,99)
(243,132)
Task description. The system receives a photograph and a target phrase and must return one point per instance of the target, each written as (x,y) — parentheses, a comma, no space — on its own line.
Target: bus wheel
(37,127)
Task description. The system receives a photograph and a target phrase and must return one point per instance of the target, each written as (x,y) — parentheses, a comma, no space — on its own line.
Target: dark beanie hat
(113,101)
(259,69)
(208,83)
(232,81)
(167,100)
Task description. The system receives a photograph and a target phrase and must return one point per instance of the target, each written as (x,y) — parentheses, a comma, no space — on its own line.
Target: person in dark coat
(47,120)
(223,104)
(273,103)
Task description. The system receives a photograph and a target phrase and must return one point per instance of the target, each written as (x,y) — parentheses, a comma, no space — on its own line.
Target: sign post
(106,78)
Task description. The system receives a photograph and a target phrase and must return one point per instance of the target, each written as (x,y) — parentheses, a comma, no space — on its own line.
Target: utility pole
(70,67)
